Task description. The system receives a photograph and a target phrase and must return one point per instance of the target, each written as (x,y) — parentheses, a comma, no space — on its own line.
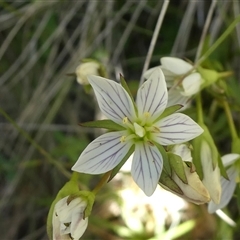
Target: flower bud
(68,221)
(208,163)
(193,191)
(211,175)
(90,67)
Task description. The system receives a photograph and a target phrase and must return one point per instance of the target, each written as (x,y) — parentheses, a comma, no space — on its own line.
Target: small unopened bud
(85,69)
(68,221)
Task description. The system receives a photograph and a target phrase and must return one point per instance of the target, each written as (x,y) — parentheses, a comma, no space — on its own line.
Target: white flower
(228,186)
(67,221)
(211,177)
(142,128)
(85,69)
(173,69)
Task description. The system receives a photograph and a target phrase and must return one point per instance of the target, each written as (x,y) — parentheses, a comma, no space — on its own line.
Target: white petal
(175,97)
(191,84)
(103,154)
(56,228)
(183,151)
(176,128)
(211,177)
(230,159)
(65,212)
(78,225)
(146,167)
(149,72)
(152,95)
(64,229)
(61,209)
(228,188)
(176,65)
(113,99)
(169,76)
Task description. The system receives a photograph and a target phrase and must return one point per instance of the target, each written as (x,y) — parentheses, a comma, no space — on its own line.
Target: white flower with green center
(142,127)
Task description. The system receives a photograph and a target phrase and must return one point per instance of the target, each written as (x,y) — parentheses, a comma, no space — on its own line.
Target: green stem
(230,120)
(74,177)
(102,182)
(210,50)
(199,108)
(218,42)
(36,145)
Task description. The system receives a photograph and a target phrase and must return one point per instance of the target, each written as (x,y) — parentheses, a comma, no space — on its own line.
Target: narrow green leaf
(106,123)
(176,163)
(118,167)
(166,164)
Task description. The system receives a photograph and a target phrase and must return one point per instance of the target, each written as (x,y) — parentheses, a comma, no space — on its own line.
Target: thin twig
(128,31)
(182,37)
(154,39)
(205,29)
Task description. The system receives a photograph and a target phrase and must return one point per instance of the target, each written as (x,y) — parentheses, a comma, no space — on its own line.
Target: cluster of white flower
(156,135)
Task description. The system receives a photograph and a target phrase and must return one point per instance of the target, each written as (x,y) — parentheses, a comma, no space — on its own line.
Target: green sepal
(222,168)
(167,183)
(118,167)
(196,143)
(208,138)
(216,160)
(176,163)
(168,111)
(209,76)
(89,197)
(69,188)
(166,165)
(125,86)
(106,123)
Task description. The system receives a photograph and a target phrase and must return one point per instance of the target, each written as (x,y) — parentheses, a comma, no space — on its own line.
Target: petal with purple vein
(176,128)
(152,96)
(103,154)
(113,100)
(147,167)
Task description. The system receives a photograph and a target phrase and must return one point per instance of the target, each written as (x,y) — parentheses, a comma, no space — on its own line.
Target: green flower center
(140,130)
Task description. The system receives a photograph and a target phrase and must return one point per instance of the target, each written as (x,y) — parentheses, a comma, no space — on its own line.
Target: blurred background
(41,103)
